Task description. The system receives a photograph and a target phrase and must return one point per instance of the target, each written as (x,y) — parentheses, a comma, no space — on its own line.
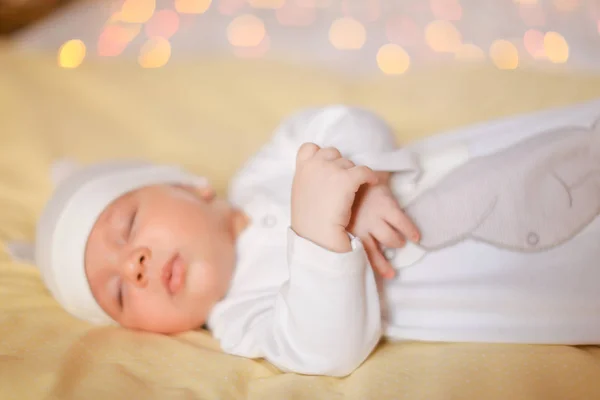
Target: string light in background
(469,52)
(246,31)
(71,54)
(192,6)
(114,39)
(347,34)
(534,43)
(163,23)
(442,36)
(556,47)
(155,53)
(392,59)
(136,11)
(504,54)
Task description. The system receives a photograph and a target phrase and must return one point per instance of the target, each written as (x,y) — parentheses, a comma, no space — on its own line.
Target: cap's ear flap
(21,251)
(62,169)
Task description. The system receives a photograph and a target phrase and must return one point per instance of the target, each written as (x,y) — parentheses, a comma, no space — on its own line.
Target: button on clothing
(269,221)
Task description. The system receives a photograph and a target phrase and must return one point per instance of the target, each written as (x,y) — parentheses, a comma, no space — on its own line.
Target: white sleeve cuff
(305,253)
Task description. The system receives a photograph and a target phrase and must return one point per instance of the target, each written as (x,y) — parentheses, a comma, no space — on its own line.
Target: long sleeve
(319,313)
(360,135)
(324,320)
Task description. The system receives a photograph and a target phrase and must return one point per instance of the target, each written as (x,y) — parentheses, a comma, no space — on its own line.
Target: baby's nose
(135,269)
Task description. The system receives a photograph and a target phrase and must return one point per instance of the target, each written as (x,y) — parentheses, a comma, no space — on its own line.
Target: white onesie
(312,311)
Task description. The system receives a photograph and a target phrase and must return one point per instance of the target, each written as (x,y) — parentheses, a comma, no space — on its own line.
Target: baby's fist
(323,192)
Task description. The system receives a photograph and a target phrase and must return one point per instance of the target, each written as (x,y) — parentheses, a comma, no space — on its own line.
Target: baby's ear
(62,169)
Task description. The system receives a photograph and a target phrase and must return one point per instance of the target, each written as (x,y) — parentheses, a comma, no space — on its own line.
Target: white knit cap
(68,219)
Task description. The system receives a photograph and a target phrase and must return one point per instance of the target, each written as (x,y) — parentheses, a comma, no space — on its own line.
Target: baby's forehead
(112,209)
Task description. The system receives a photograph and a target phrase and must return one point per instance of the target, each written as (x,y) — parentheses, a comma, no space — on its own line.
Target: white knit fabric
(69,217)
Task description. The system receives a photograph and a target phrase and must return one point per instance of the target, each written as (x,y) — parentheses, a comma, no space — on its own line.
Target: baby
(273,271)
(289,268)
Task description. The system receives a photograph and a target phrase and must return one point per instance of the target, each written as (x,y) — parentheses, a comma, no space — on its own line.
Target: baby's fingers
(361,175)
(378,262)
(387,236)
(403,224)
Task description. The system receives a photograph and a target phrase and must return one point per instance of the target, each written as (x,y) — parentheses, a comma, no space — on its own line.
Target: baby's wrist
(334,239)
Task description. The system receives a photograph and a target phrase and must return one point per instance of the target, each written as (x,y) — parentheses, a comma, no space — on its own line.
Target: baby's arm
(358,134)
(326,319)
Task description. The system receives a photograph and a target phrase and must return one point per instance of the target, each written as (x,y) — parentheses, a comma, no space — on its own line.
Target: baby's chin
(173,323)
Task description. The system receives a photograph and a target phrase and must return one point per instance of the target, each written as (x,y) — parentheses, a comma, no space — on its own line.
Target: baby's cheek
(154,313)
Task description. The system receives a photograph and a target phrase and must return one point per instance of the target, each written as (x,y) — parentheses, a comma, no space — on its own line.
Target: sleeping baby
(297,266)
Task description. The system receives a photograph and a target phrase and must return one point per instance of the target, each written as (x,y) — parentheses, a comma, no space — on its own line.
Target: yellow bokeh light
(469,52)
(556,47)
(504,54)
(566,5)
(347,34)
(534,43)
(71,54)
(442,36)
(192,6)
(137,11)
(155,53)
(246,31)
(392,59)
(269,4)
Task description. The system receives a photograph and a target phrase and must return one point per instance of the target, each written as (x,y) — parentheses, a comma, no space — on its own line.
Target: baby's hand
(323,193)
(378,219)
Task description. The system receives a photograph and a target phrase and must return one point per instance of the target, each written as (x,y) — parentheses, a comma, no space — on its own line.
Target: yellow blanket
(210,116)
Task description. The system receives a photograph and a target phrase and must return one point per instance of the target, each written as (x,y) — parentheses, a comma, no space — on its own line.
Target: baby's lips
(178,275)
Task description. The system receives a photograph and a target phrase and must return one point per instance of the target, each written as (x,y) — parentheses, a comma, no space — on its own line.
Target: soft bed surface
(210,116)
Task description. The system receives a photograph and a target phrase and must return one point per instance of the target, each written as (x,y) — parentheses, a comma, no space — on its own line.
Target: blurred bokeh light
(504,54)
(392,59)
(556,47)
(164,24)
(398,37)
(442,36)
(114,38)
(192,6)
(137,11)
(155,53)
(246,31)
(71,54)
(347,34)
(470,53)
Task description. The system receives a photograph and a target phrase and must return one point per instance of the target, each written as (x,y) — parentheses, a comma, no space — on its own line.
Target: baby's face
(160,257)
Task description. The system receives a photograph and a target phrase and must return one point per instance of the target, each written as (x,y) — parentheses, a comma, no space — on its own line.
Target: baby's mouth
(173,274)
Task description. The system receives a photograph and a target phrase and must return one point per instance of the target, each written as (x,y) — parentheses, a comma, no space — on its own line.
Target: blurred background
(353,36)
